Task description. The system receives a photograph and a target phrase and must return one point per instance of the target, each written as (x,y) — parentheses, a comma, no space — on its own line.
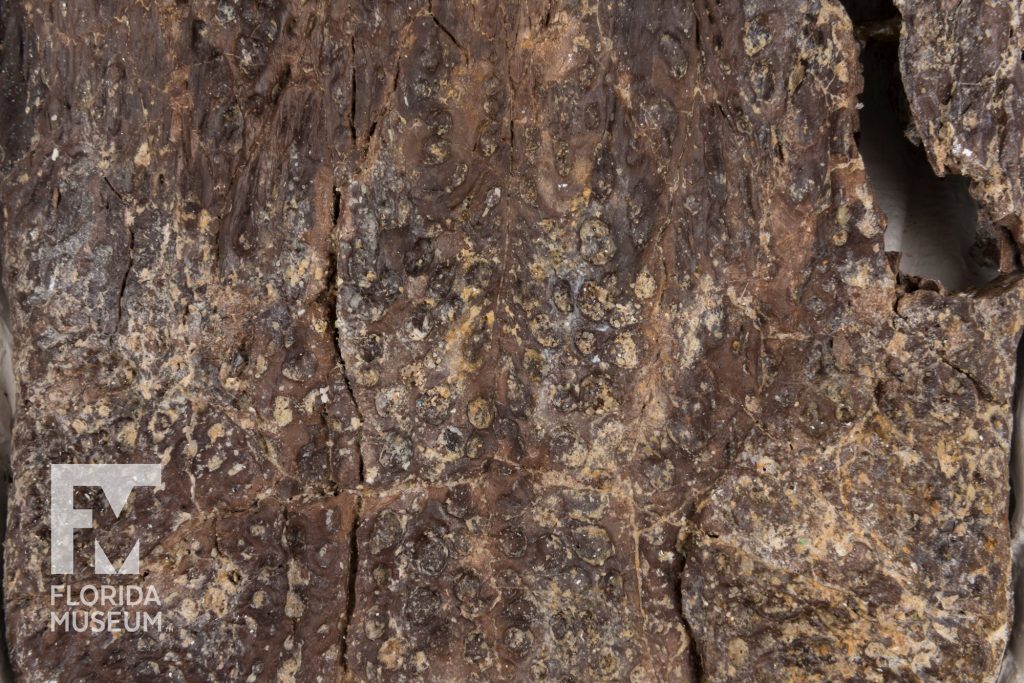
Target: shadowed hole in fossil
(933,222)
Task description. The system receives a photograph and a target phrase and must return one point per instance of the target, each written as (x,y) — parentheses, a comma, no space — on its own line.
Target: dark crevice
(359,457)
(444,30)
(350,596)
(330,295)
(15,124)
(352,397)
(352,95)
(128,265)
(870,12)
(696,39)
(696,662)
(513,98)
(113,189)
(693,649)
(124,279)
(332,290)
(372,130)
(932,221)
(331,311)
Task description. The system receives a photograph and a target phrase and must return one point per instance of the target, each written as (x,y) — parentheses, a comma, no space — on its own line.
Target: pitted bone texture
(495,341)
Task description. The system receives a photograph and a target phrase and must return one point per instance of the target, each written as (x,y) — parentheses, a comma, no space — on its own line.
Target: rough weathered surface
(963,71)
(502,341)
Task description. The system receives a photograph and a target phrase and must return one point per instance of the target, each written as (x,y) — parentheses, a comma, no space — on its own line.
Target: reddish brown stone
(505,341)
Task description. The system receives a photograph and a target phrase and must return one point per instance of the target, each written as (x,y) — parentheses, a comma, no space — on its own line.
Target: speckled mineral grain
(506,341)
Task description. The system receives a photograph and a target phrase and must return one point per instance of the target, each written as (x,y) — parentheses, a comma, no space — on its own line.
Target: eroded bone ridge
(516,341)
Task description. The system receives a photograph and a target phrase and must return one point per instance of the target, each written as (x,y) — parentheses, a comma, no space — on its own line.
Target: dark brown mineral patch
(506,340)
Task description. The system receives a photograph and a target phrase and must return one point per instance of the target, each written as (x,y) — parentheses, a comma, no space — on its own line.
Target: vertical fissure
(696,660)
(332,290)
(347,382)
(129,260)
(693,648)
(353,568)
